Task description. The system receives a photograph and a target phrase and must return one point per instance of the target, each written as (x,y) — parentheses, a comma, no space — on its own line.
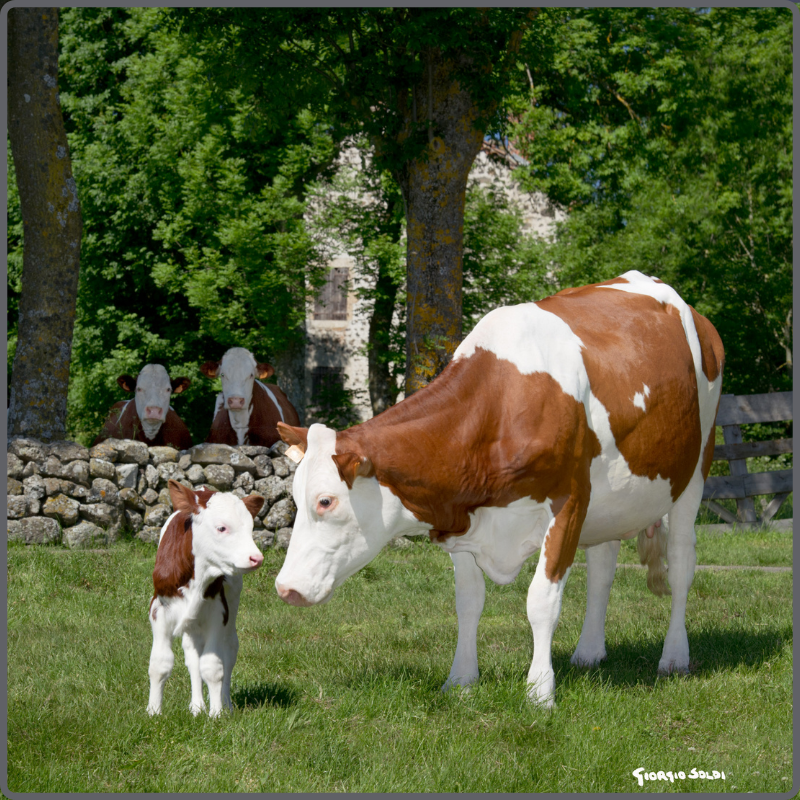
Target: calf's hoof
(153,710)
(587,659)
(464,683)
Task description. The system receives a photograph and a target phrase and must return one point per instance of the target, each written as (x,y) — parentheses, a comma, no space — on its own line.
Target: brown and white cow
(148,416)
(247,411)
(573,422)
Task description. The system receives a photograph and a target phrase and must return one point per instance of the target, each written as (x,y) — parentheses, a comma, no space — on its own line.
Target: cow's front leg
(470,596)
(544,607)
(681,559)
(601,563)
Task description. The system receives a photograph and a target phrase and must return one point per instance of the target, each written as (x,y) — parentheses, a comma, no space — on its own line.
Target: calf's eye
(222,529)
(325,503)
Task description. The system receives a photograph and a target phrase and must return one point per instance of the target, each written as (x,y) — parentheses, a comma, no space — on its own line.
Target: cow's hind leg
(161,657)
(470,596)
(601,563)
(544,607)
(682,559)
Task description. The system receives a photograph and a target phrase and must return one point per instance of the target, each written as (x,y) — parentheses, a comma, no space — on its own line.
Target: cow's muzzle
(154,412)
(236,402)
(292,597)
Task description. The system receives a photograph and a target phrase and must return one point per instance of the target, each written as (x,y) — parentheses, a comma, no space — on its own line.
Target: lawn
(345,697)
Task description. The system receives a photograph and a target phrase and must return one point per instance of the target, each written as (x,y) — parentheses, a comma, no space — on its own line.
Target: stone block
(31,468)
(101,514)
(34,486)
(156,516)
(126,475)
(282,538)
(150,496)
(263,466)
(281,466)
(17,506)
(220,476)
(271,489)
(207,453)
(130,451)
(185,461)
(134,520)
(100,468)
(68,451)
(27,449)
(281,515)
(35,530)
(105,451)
(62,508)
(241,463)
(76,471)
(195,474)
(14,487)
(253,450)
(151,476)
(85,535)
(15,466)
(163,455)
(149,534)
(132,500)
(244,481)
(263,538)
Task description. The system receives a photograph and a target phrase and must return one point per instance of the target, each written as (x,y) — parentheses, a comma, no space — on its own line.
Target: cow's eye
(222,528)
(325,503)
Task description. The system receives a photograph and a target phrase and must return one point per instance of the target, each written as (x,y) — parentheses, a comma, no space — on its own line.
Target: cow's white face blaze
(337,530)
(152,394)
(238,372)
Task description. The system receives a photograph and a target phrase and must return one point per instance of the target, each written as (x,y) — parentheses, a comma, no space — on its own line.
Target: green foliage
(667,134)
(193,233)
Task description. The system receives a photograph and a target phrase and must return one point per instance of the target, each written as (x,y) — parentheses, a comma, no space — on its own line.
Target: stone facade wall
(63,492)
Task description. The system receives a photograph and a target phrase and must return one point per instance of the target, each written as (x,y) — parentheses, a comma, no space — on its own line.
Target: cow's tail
(653,553)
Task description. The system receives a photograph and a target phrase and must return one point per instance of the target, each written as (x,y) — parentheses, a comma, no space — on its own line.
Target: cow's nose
(256,561)
(291,597)
(236,402)
(153,412)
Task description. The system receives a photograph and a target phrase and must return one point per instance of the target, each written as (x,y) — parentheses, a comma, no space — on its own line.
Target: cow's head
(152,390)
(237,371)
(222,528)
(344,517)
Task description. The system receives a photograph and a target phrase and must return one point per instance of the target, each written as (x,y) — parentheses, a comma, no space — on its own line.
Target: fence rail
(742,485)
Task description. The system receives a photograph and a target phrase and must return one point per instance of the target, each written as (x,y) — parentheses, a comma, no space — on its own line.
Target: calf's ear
(294,436)
(180,385)
(264,371)
(210,369)
(253,503)
(351,465)
(183,498)
(127,383)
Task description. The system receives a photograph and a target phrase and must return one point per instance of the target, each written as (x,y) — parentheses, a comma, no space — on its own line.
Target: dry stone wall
(63,492)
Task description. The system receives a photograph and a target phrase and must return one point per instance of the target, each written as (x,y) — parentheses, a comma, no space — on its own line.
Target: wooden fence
(742,485)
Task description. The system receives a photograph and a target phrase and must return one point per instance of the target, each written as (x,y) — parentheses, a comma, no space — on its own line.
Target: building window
(332,302)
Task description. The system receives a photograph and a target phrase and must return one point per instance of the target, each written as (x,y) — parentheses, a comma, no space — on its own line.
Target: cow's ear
(210,369)
(253,503)
(351,465)
(183,498)
(264,371)
(294,436)
(127,383)
(180,385)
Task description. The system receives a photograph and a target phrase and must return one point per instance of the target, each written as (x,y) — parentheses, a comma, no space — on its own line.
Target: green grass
(345,697)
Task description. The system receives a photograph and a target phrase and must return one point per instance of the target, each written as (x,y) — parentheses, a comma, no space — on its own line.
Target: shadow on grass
(255,695)
(633,663)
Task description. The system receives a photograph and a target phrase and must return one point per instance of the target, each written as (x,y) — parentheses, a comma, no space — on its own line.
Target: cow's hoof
(153,711)
(672,668)
(545,702)
(464,684)
(586,660)
(195,709)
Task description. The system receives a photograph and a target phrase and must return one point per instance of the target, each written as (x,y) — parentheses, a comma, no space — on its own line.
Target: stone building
(337,323)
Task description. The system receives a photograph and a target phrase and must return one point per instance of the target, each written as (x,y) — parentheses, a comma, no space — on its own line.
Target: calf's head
(344,517)
(238,371)
(152,390)
(222,528)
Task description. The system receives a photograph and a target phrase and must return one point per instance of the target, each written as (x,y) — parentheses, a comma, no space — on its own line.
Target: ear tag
(295,453)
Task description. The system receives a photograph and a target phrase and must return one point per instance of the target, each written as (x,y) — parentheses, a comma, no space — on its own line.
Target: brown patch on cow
(210,368)
(174,560)
(123,423)
(664,439)
(448,449)
(215,588)
(711,348)
(264,418)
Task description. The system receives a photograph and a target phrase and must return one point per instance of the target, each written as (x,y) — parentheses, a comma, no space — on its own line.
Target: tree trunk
(382,387)
(51,223)
(434,190)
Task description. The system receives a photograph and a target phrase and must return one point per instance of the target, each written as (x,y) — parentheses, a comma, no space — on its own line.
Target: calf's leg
(161,657)
(192,647)
(601,563)
(682,559)
(470,596)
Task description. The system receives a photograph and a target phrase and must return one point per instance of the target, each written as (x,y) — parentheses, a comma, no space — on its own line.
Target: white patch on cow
(620,501)
(502,538)
(274,400)
(533,340)
(153,391)
(640,397)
